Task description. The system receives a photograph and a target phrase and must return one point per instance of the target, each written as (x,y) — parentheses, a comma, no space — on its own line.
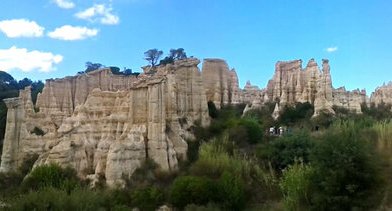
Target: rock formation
(351,100)
(105,124)
(291,84)
(220,83)
(382,94)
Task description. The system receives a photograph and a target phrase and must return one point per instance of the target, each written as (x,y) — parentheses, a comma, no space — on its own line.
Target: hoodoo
(103,124)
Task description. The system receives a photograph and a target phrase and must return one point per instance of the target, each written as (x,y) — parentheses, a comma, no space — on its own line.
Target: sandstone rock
(220,83)
(105,124)
(350,100)
(382,94)
(276,112)
(291,84)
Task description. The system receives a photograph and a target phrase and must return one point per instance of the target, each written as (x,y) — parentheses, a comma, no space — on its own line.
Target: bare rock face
(351,100)
(382,94)
(105,124)
(220,83)
(291,84)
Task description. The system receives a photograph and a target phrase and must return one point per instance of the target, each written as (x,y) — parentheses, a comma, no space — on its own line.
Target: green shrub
(10,181)
(295,185)
(380,112)
(346,171)
(56,199)
(295,114)
(286,149)
(192,190)
(45,199)
(147,198)
(246,131)
(231,191)
(193,150)
(51,176)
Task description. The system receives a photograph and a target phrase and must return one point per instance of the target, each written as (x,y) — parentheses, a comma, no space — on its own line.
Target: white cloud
(331,49)
(65,4)
(70,33)
(22,59)
(21,28)
(99,12)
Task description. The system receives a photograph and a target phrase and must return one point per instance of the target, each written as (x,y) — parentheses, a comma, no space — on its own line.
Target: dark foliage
(246,131)
(174,55)
(231,191)
(294,114)
(192,190)
(152,56)
(125,72)
(347,173)
(166,60)
(52,176)
(92,66)
(38,131)
(177,54)
(212,111)
(149,198)
(286,150)
(380,112)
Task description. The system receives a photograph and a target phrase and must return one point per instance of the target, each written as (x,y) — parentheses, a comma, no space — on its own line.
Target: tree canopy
(153,56)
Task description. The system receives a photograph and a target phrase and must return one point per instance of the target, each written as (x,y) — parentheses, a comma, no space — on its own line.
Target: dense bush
(295,185)
(149,198)
(380,112)
(231,191)
(246,131)
(55,199)
(346,171)
(192,190)
(297,113)
(287,149)
(51,176)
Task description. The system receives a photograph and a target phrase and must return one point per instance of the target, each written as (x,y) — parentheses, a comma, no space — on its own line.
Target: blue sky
(53,38)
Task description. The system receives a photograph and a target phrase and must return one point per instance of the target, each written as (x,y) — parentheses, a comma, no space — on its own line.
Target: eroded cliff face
(351,100)
(291,84)
(220,83)
(382,94)
(107,125)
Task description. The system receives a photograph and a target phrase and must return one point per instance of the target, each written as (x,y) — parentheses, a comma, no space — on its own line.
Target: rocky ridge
(106,125)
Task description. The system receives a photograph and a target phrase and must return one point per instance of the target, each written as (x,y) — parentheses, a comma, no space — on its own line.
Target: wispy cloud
(72,33)
(21,28)
(331,49)
(65,4)
(22,59)
(99,12)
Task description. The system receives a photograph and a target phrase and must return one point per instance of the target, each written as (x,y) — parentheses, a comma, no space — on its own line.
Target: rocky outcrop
(106,125)
(382,94)
(220,83)
(351,100)
(291,84)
